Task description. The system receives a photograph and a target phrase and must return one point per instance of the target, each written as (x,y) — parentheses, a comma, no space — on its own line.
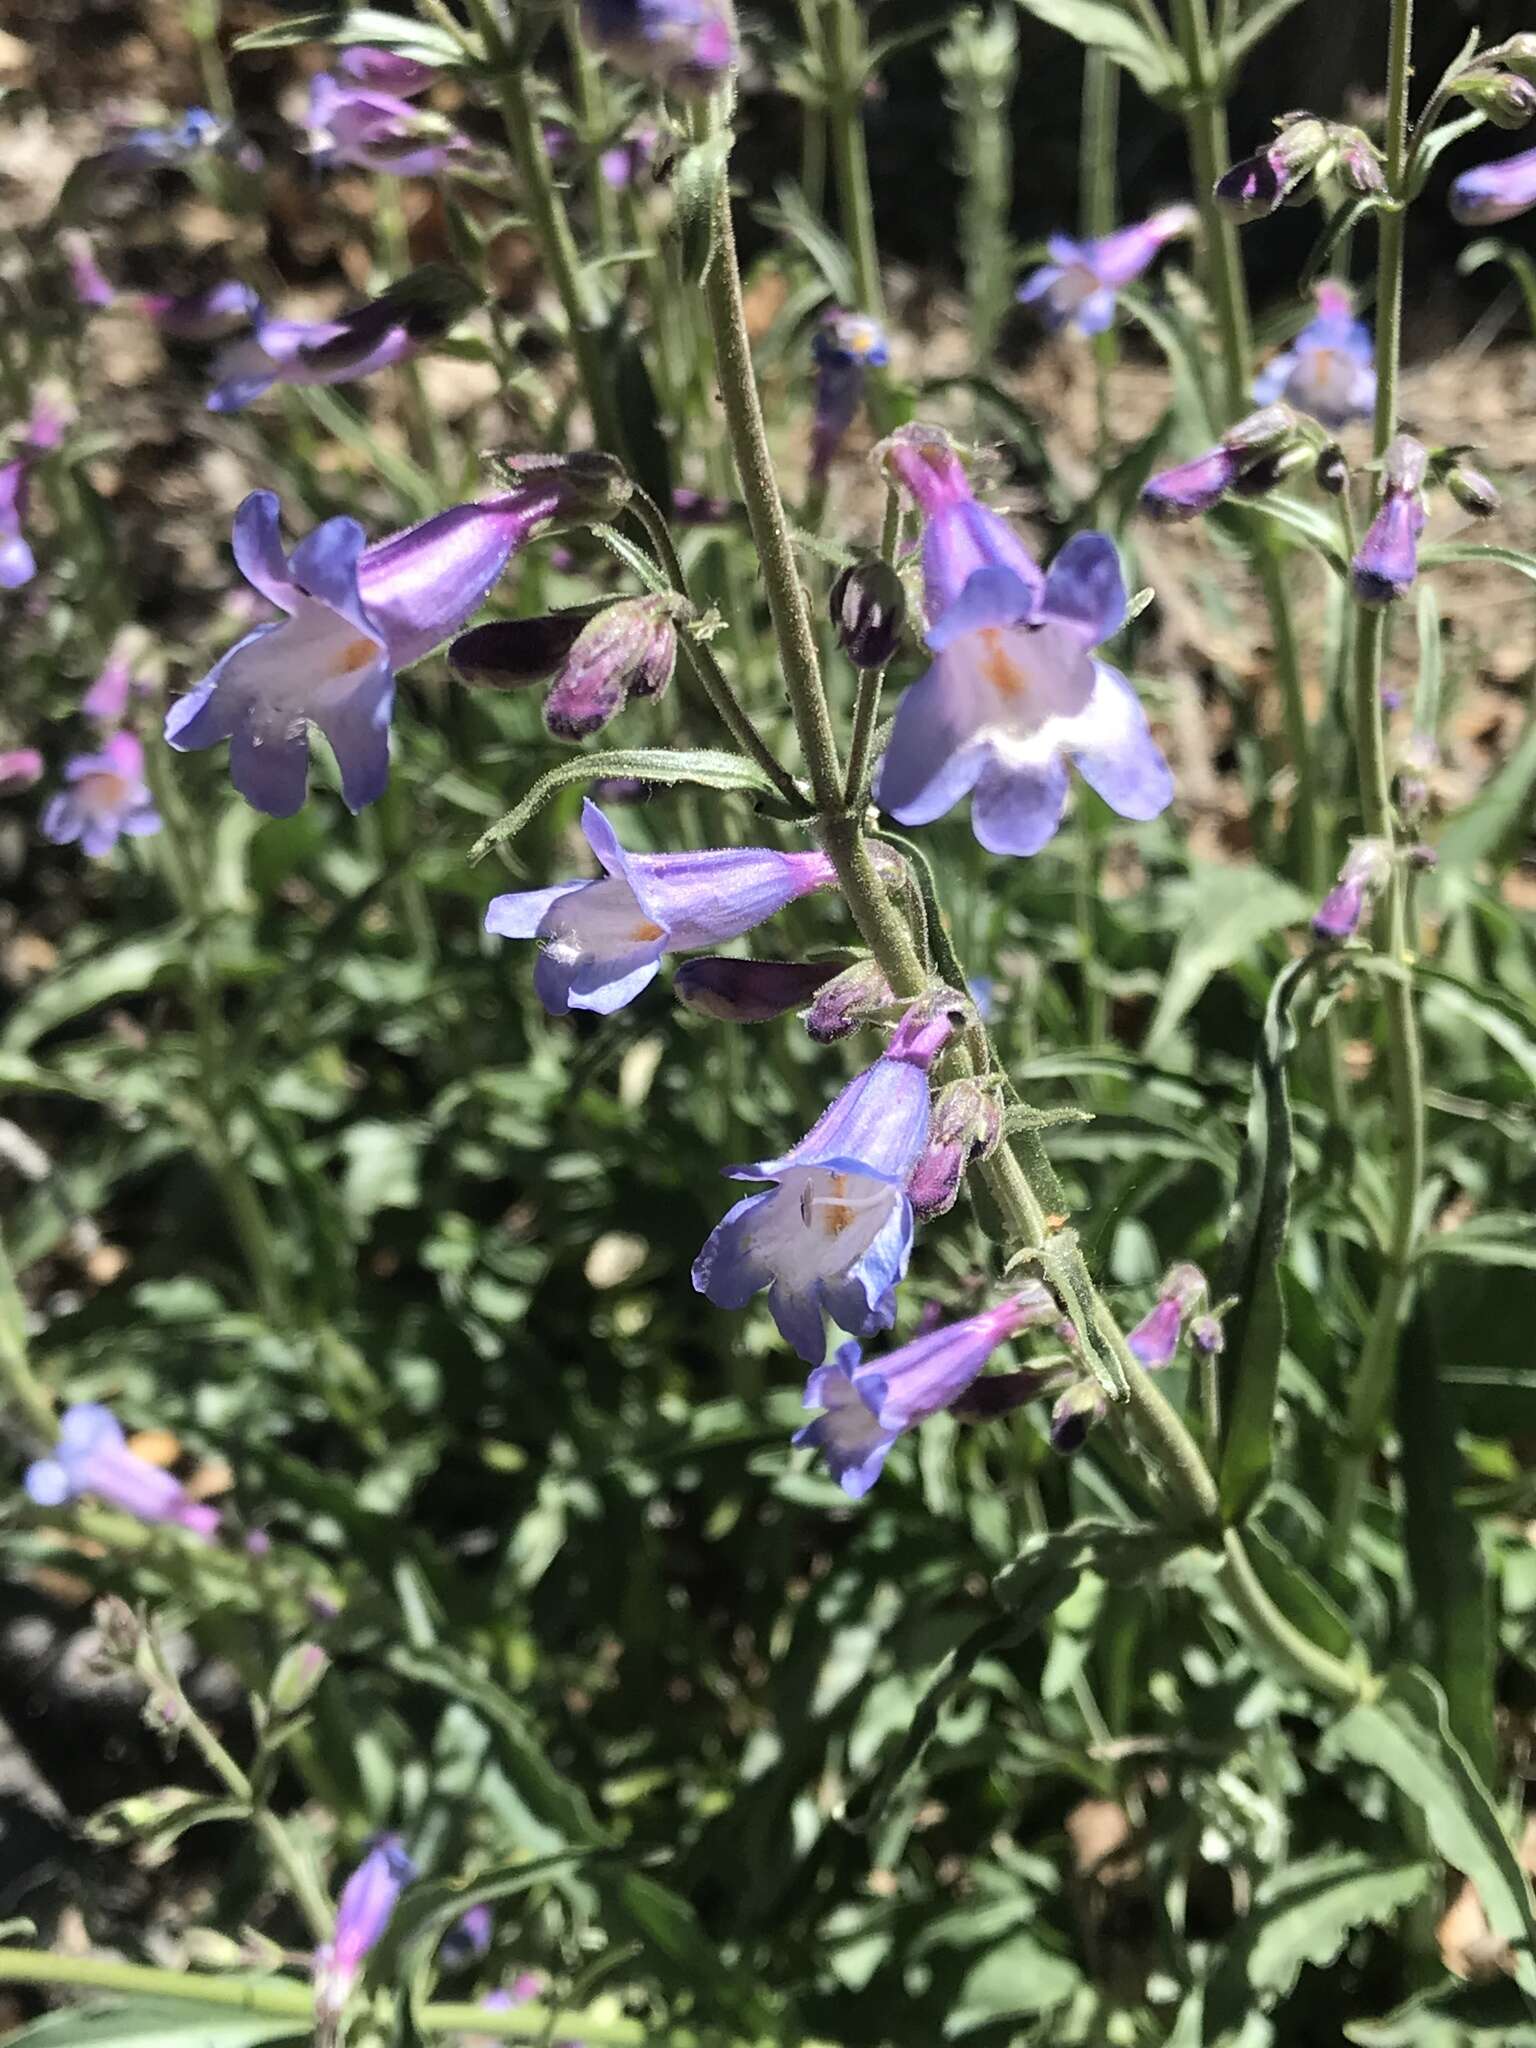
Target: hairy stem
(856,206)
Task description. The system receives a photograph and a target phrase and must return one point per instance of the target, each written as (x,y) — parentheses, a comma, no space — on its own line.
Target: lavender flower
(18,564)
(208,315)
(363,1912)
(1494,192)
(1079,286)
(144,149)
(602,941)
(1156,1337)
(468,1940)
(354,616)
(386,70)
(380,131)
(90,287)
(685,46)
(19,769)
(867,1407)
(392,328)
(834,1234)
(845,347)
(107,698)
(1014,692)
(1387,562)
(1362,878)
(1329,369)
(107,798)
(91,1456)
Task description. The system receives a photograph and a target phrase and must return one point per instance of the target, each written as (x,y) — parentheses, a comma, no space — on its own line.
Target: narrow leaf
(700,767)
(1101,25)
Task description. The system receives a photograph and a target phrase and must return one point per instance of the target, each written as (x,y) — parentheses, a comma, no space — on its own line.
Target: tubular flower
(867,1407)
(354,615)
(1387,562)
(845,347)
(207,315)
(386,70)
(107,698)
(1014,692)
(602,941)
(1494,192)
(1361,880)
(91,1456)
(1156,1337)
(18,564)
(20,768)
(379,131)
(834,1234)
(91,287)
(107,798)
(1329,369)
(392,328)
(684,46)
(364,1910)
(1080,284)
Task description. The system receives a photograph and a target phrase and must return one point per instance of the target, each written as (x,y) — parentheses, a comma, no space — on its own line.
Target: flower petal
(259,556)
(936,750)
(1018,804)
(993,596)
(270,770)
(1085,587)
(1114,751)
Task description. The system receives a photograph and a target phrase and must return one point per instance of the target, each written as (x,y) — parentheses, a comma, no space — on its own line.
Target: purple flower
(18,564)
(602,941)
(1387,562)
(468,1939)
(1191,488)
(354,616)
(367,1904)
(746,991)
(846,347)
(1329,369)
(1362,878)
(107,698)
(1014,692)
(629,159)
(106,798)
(1156,1337)
(1080,284)
(685,46)
(142,149)
(392,328)
(1493,192)
(207,315)
(966,1125)
(835,1232)
(387,70)
(91,1456)
(867,1407)
(91,288)
(1260,184)
(379,131)
(19,769)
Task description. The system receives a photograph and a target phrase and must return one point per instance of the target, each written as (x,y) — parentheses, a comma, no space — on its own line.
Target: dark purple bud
(1001,1393)
(868,607)
(1191,488)
(856,996)
(508,653)
(628,650)
(749,991)
(1472,491)
(966,1124)
(468,1940)
(1361,879)
(1505,99)
(1207,1336)
(622,789)
(1078,1409)
(1331,470)
(1261,183)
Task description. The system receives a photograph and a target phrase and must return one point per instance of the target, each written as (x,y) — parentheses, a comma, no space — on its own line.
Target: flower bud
(1472,491)
(856,996)
(1207,1336)
(1518,54)
(1257,479)
(868,607)
(749,991)
(1001,1393)
(1330,471)
(1262,183)
(627,651)
(966,1124)
(1506,99)
(1156,1337)
(20,768)
(1078,1409)
(1268,431)
(297,1678)
(1361,879)
(1359,163)
(927,1027)
(508,653)
(468,1940)
(1387,562)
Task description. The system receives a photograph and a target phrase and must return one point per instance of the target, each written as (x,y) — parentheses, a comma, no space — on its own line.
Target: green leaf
(1305,1913)
(106,977)
(1122,1552)
(793,217)
(695,185)
(149,2023)
(1426,696)
(676,1946)
(1495,1239)
(1450,2016)
(1444,552)
(375,25)
(1249,1274)
(1522,268)
(1441,139)
(1017,1978)
(1299,1597)
(1258,23)
(699,766)
(1102,25)
(1404,1734)
(1229,910)
(1308,523)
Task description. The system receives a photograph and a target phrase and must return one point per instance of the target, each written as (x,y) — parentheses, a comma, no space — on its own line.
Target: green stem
(21,1383)
(551,227)
(856,205)
(1372,1388)
(1096,179)
(591,112)
(889,936)
(1205,124)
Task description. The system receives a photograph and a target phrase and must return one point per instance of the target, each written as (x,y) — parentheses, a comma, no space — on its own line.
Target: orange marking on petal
(356,654)
(998,666)
(645,930)
(836,1215)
